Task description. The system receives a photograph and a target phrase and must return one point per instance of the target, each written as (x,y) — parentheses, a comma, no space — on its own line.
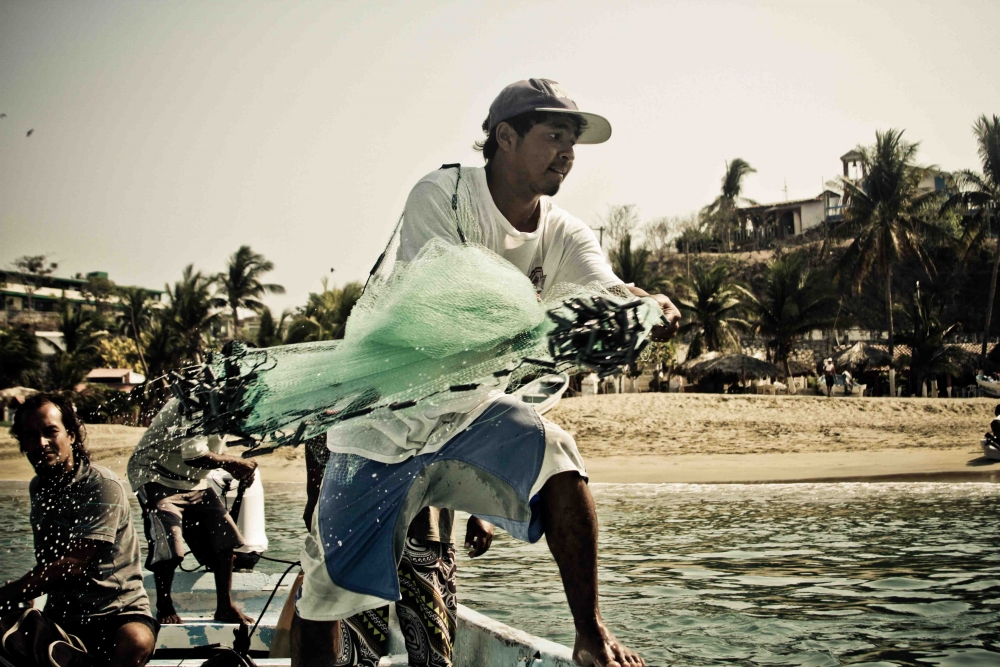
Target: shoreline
(707,439)
(962,464)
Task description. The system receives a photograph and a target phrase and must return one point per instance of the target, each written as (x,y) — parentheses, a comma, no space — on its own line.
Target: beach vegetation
(793,301)
(887,217)
(271,332)
(20,358)
(978,195)
(713,309)
(193,309)
(925,331)
(240,284)
(722,215)
(325,313)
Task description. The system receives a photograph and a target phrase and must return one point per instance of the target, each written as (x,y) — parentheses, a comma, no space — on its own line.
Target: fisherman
(497,459)
(86,548)
(169,474)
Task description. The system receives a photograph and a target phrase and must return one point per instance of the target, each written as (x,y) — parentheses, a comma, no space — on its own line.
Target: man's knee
(134,644)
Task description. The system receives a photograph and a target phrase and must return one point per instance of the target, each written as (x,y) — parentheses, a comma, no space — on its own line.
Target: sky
(170,133)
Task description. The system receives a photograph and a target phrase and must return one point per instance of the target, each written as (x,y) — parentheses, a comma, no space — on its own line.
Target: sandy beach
(707,438)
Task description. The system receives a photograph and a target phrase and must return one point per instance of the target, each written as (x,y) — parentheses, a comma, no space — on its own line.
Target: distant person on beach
(497,456)
(169,476)
(829,371)
(86,548)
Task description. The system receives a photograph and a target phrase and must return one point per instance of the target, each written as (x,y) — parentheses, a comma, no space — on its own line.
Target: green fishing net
(439,332)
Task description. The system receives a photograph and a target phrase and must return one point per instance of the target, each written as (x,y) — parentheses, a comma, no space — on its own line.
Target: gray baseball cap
(545,95)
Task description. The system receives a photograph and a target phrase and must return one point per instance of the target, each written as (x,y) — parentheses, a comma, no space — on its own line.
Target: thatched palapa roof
(800,367)
(860,357)
(741,366)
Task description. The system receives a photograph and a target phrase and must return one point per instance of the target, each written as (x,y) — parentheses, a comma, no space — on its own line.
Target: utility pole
(600,231)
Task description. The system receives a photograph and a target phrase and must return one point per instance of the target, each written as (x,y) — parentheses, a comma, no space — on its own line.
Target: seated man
(993,435)
(168,474)
(428,610)
(86,548)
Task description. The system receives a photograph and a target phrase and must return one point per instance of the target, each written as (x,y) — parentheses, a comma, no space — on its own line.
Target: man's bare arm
(50,576)
(241,469)
(671,314)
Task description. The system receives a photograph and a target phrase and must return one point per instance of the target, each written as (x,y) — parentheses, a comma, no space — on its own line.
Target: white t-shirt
(561,250)
(162,457)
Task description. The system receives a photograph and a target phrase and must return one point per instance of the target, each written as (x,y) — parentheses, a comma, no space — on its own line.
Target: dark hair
(522,123)
(70,420)
(996,410)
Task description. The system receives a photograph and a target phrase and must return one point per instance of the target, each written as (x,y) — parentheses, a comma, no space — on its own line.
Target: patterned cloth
(427,612)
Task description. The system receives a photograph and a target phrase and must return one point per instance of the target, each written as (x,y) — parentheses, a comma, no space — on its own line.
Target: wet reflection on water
(805,574)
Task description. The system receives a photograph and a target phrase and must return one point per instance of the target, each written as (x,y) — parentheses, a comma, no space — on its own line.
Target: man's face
(46,443)
(543,157)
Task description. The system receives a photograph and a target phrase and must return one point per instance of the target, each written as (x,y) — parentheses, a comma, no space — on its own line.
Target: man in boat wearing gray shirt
(86,548)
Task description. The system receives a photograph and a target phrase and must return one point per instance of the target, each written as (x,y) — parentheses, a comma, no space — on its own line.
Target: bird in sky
(30,132)
(3,115)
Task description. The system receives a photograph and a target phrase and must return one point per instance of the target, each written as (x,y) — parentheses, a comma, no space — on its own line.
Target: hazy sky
(167,133)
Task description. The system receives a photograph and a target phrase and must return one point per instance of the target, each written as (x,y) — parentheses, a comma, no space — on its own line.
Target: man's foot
(232,615)
(168,617)
(599,648)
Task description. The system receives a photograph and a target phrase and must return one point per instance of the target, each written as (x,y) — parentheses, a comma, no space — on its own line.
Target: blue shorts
(493,469)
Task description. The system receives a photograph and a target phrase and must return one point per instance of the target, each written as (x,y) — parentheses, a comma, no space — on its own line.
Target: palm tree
(793,302)
(271,333)
(192,311)
(325,314)
(136,317)
(925,333)
(630,264)
(722,213)
(713,311)
(20,358)
(980,193)
(241,286)
(886,216)
(163,344)
(82,330)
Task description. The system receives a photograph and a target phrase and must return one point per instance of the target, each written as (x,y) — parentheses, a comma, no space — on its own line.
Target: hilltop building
(762,223)
(37,301)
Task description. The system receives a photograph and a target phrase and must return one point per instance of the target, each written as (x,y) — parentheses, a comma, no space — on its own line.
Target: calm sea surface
(804,574)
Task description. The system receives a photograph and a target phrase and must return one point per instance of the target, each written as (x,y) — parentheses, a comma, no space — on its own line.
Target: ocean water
(803,574)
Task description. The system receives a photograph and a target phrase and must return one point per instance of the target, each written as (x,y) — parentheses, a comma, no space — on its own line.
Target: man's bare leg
(314,643)
(570,522)
(225,609)
(163,577)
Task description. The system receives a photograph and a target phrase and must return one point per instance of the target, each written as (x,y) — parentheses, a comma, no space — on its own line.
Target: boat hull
(480,641)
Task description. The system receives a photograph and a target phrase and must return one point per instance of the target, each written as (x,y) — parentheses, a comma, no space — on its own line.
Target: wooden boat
(481,641)
(988,387)
(545,392)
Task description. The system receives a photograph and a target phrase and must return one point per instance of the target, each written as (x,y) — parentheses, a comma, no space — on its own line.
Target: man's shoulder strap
(457,166)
